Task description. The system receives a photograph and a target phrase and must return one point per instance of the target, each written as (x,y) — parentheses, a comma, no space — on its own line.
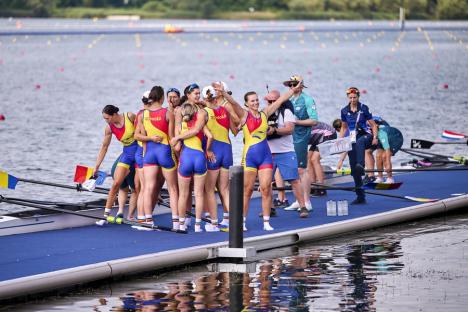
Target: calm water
(53,87)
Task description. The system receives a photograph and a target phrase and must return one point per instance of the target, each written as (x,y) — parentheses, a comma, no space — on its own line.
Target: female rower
(121,125)
(256,155)
(157,123)
(139,159)
(190,127)
(355,116)
(191,95)
(219,123)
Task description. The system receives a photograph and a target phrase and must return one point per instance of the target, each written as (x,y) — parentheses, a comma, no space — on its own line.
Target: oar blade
(382,186)
(7,180)
(416,143)
(421,199)
(450,135)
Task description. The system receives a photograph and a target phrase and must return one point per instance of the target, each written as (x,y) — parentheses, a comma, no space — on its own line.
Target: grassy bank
(85,12)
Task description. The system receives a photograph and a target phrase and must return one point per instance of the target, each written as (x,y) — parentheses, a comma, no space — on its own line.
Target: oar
(78,187)
(417,143)
(411,198)
(348,170)
(9,181)
(59,204)
(108,219)
(424,154)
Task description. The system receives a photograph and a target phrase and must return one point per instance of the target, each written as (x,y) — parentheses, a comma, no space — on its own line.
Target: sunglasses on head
(173,90)
(192,87)
(352,91)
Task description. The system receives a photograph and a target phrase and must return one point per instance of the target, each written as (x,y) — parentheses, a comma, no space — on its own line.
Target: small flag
(83,173)
(7,181)
(452,135)
(101,176)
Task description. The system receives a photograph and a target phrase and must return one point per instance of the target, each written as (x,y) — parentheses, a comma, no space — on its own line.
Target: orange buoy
(2,117)
(232,77)
(61,69)
(377,69)
(364,91)
(142,81)
(445,86)
(38,86)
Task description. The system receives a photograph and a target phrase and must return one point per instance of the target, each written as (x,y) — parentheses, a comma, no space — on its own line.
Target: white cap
(207,89)
(146,94)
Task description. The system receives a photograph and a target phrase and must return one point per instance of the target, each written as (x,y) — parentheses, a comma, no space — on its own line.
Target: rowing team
(187,146)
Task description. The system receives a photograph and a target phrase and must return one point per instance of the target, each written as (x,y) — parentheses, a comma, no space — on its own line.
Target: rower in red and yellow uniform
(221,119)
(157,125)
(257,157)
(191,123)
(122,127)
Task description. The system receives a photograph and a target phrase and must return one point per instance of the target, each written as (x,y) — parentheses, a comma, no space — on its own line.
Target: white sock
(107,212)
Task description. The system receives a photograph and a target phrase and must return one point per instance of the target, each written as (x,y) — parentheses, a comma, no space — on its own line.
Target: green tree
(306,5)
(452,9)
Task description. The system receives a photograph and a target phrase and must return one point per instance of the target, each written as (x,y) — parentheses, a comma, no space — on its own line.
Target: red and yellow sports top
(218,123)
(194,142)
(156,123)
(126,132)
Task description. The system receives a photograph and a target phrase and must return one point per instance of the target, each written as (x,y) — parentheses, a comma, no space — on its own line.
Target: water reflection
(343,278)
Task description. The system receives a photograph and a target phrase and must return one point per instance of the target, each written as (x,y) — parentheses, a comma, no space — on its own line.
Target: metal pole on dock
(402,19)
(236,203)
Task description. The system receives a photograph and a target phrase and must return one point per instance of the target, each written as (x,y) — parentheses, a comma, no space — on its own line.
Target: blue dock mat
(35,253)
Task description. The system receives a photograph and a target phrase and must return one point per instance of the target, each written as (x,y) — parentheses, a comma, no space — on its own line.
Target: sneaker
(308,206)
(321,193)
(379,180)
(358,201)
(359,169)
(303,212)
(277,202)
(225,222)
(389,181)
(368,179)
(198,228)
(244,227)
(119,215)
(267,226)
(314,193)
(211,228)
(293,206)
(101,222)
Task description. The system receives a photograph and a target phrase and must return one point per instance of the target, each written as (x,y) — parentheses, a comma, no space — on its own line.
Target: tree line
(267,9)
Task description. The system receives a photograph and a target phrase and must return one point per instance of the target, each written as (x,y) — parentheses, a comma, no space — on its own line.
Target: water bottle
(331,208)
(345,207)
(342,207)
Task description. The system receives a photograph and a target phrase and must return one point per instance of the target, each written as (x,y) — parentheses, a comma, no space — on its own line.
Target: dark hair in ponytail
(110,109)
(183,99)
(246,96)
(156,94)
